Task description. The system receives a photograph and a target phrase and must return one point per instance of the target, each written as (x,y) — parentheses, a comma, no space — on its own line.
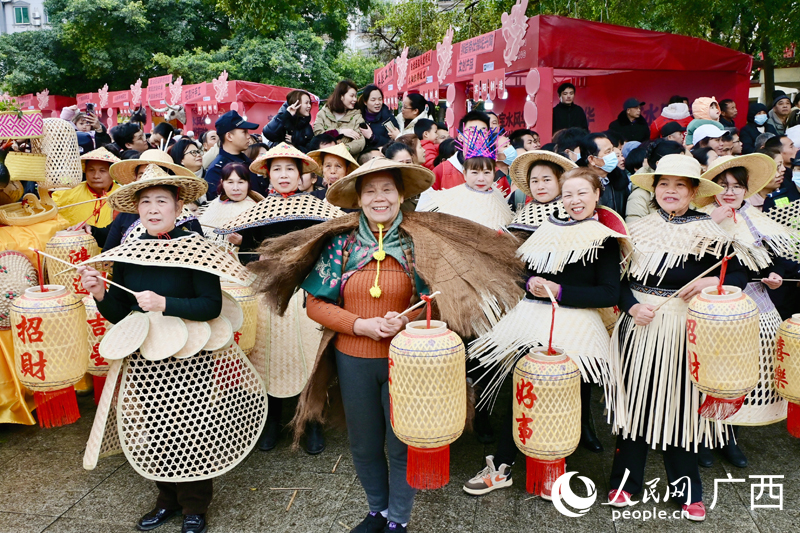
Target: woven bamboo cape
(217,214)
(534,214)
(276,208)
(487,208)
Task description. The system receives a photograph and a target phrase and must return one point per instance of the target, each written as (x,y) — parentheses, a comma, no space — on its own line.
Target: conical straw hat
(760,171)
(189,188)
(338,150)
(260,165)
(678,165)
(520,168)
(124,172)
(415,180)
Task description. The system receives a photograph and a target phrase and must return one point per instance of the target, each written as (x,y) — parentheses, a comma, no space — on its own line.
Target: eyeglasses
(194,152)
(735,189)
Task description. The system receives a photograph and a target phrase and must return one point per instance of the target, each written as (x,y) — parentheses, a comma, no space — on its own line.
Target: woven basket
(546,411)
(74,247)
(723,348)
(245,336)
(427,398)
(31,210)
(787,370)
(50,349)
(27,127)
(26,166)
(16,274)
(60,145)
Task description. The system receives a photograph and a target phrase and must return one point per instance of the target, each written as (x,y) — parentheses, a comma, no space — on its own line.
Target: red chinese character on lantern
(780,377)
(781,353)
(33,367)
(391,364)
(523,428)
(525,394)
(30,329)
(77,286)
(98,325)
(78,256)
(690,327)
(695,366)
(96,357)
(237,336)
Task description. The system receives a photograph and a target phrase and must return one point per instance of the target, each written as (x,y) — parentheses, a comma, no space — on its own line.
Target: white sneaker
(489,479)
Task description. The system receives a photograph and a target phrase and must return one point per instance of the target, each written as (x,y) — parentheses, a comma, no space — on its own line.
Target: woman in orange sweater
(360,271)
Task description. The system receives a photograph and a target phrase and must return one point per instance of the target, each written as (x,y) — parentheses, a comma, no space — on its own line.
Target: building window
(21,15)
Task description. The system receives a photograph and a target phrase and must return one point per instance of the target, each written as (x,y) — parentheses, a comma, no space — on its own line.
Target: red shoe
(619,498)
(695,512)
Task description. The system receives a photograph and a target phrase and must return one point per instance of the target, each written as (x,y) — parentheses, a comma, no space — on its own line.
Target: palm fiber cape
(475,269)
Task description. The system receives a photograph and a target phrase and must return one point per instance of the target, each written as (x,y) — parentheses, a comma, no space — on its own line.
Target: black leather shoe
(269,438)
(704,456)
(589,439)
(315,439)
(734,455)
(483,427)
(194,523)
(373,523)
(154,518)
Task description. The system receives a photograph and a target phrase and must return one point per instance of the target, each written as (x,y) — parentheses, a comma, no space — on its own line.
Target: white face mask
(760,119)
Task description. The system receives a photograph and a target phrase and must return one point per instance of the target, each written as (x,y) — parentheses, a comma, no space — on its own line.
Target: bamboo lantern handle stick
(701,276)
(550,295)
(109,282)
(418,304)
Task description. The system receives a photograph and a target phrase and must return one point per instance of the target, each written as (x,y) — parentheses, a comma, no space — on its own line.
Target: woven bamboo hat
(101,154)
(259,166)
(521,167)
(124,172)
(189,188)
(415,180)
(337,149)
(760,171)
(678,165)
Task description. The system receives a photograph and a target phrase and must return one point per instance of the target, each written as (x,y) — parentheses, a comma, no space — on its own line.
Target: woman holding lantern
(361,271)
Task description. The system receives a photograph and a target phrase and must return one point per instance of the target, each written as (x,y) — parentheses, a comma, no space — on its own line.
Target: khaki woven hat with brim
(124,172)
(678,165)
(337,149)
(760,171)
(260,165)
(101,154)
(189,188)
(521,167)
(415,180)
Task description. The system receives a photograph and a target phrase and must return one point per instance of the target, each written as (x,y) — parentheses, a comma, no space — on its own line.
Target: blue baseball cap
(231,121)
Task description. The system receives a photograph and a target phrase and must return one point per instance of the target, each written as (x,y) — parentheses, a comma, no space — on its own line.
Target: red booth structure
(519,67)
(49,104)
(202,102)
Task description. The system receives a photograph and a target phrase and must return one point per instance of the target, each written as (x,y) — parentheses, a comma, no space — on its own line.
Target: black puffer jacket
(380,135)
(638,130)
(297,127)
(750,131)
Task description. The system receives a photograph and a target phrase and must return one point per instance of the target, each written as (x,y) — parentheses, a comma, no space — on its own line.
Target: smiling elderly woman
(360,272)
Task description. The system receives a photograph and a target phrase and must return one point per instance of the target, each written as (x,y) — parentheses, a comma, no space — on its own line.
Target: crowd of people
(337,215)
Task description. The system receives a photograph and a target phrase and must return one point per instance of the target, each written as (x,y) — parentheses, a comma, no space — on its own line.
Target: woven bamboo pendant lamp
(96,328)
(73,247)
(722,344)
(547,413)
(427,398)
(787,370)
(50,346)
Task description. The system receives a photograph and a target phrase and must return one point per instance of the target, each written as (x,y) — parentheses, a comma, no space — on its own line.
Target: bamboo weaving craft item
(277,209)
(50,347)
(487,208)
(60,144)
(427,398)
(787,370)
(27,125)
(723,348)
(31,210)
(245,336)
(73,247)
(26,166)
(533,215)
(96,327)
(16,274)
(546,411)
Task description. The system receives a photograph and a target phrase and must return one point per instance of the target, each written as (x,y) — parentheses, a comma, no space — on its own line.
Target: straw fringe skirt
(763,405)
(286,347)
(579,332)
(656,398)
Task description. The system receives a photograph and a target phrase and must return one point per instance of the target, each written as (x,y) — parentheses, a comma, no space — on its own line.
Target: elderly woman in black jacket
(292,124)
(376,116)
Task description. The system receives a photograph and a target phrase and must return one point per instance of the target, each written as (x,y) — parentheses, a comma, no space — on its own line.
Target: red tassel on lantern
(793,420)
(56,408)
(720,408)
(98,382)
(541,474)
(428,468)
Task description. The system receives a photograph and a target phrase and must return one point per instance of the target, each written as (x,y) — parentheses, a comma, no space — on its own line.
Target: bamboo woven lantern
(73,247)
(547,414)
(427,398)
(50,345)
(245,336)
(60,145)
(722,339)
(96,328)
(787,370)
(16,275)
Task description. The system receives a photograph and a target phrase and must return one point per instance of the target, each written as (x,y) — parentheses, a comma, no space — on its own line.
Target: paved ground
(44,488)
